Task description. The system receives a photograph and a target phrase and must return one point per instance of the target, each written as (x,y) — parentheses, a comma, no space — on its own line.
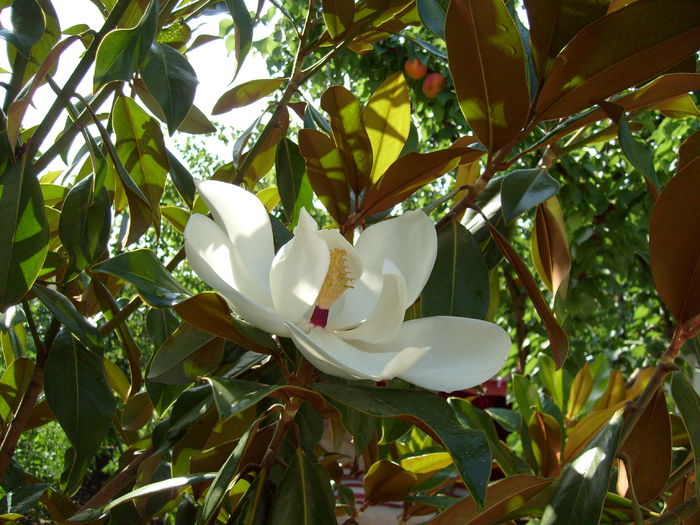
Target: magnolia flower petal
(244,219)
(211,242)
(409,241)
(462,352)
(353,307)
(336,357)
(298,270)
(385,320)
(210,255)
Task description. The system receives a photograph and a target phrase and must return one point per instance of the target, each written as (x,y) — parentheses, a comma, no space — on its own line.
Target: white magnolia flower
(343,305)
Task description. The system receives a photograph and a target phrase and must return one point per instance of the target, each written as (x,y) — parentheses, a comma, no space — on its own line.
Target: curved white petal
(409,241)
(244,219)
(209,253)
(298,270)
(353,307)
(209,240)
(385,320)
(462,352)
(336,357)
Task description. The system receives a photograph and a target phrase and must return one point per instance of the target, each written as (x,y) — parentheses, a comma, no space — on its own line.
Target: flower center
(337,280)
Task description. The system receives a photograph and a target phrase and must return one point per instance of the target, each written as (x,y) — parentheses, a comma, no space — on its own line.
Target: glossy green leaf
(172,81)
(243,25)
(143,269)
(674,249)
(303,496)
(688,403)
(183,180)
(27,25)
(326,172)
(79,395)
(475,418)
(292,183)
(23,499)
(553,23)
(222,483)
(13,383)
(246,93)
(359,425)
(160,324)
(580,493)
(338,16)
(349,134)
(406,176)
(85,223)
(524,189)
(387,118)
(488,68)
(254,506)
(433,13)
(459,282)
(142,151)
(53,193)
(122,51)
(641,156)
(235,395)
(186,355)
(61,307)
(469,448)
(24,235)
(617,51)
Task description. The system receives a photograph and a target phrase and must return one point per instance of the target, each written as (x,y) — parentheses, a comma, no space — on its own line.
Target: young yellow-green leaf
(350,135)
(338,16)
(24,234)
(406,176)
(488,69)
(546,436)
(326,172)
(673,243)
(387,119)
(172,81)
(142,151)
(122,51)
(246,93)
(13,383)
(178,217)
(78,394)
(143,269)
(580,391)
(619,50)
(266,148)
(554,22)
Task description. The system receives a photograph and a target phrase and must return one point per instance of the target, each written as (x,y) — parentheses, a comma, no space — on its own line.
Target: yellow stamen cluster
(336,282)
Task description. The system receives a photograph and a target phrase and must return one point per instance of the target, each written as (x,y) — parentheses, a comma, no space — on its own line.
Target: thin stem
(78,73)
(677,513)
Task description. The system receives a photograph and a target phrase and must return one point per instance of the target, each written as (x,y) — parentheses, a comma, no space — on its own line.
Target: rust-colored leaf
(689,152)
(648,448)
(387,481)
(674,243)
(209,312)
(502,498)
(408,174)
(553,23)
(350,134)
(246,93)
(614,392)
(619,50)
(559,342)
(488,69)
(550,248)
(326,172)
(546,443)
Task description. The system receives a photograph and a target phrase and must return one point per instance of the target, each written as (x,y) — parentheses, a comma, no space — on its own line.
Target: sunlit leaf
(246,93)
